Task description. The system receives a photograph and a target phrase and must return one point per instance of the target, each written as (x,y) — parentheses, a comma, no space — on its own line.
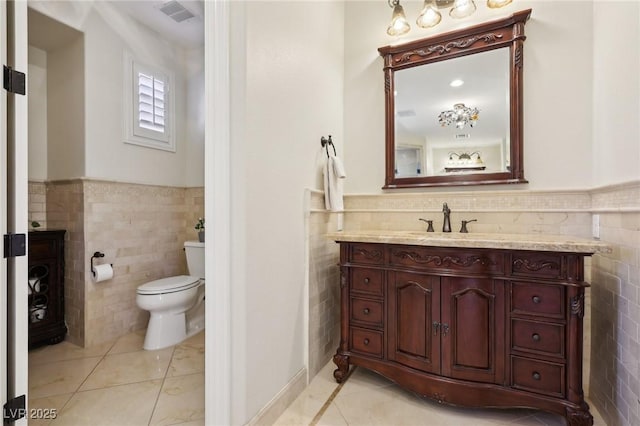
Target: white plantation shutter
(151,102)
(150,120)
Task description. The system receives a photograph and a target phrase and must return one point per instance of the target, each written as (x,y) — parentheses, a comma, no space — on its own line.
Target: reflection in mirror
(453,107)
(432,127)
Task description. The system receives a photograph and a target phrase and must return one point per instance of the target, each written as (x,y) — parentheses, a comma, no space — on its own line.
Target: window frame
(134,133)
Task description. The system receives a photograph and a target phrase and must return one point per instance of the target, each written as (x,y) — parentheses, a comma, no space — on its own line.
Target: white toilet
(175,303)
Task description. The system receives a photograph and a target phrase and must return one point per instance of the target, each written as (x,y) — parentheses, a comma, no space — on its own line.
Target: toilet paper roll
(102,272)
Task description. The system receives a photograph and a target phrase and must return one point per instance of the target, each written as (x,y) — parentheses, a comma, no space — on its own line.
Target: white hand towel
(333,174)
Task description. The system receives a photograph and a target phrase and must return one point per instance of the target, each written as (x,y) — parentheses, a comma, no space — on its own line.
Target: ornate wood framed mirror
(453,106)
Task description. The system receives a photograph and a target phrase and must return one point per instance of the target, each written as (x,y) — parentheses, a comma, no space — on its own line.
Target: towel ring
(324,142)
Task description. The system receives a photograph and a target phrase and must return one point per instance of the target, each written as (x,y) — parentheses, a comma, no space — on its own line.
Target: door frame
(15,210)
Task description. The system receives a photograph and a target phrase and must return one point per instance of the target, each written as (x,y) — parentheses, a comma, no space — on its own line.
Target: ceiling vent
(176,11)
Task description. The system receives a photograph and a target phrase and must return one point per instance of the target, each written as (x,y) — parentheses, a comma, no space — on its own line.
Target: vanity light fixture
(464,162)
(461,115)
(399,24)
(430,16)
(494,4)
(462,9)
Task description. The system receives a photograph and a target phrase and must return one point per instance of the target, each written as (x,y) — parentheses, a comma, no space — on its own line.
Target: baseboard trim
(274,408)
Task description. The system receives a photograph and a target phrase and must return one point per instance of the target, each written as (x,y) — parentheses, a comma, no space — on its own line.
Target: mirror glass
(453,107)
(430,142)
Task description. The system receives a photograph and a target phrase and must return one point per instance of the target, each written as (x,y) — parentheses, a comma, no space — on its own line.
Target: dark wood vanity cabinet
(468,326)
(46,288)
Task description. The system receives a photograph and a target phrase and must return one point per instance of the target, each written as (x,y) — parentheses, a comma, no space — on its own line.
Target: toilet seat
(169,285)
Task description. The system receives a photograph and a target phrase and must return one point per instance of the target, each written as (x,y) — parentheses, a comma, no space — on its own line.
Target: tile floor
(119,383)
(369,399)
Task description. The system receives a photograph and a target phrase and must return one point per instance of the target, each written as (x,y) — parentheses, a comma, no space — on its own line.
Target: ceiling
(49,34)
(188,33)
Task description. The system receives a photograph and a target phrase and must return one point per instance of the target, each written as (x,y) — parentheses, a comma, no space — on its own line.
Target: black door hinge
(14,409)
(14,81)
(15,245)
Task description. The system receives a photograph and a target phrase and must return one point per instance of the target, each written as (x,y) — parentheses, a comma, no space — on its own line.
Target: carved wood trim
(577,305)
(372,255)
(444,261)
(441,49)
(519,264)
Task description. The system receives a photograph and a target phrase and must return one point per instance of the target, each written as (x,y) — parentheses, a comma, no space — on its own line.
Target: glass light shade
(429,17)
(462,9)
(399,24)
(494,4)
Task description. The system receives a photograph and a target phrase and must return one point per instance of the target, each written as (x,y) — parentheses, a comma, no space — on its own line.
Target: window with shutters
(149,115)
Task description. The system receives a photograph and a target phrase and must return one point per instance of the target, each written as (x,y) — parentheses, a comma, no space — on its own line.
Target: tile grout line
(155,405)
(329,400)
(85,379)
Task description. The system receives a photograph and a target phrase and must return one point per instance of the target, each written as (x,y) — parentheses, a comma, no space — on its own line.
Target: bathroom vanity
(478,320)
(46,288)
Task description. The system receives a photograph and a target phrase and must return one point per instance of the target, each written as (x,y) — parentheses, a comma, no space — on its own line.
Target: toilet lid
(169,285)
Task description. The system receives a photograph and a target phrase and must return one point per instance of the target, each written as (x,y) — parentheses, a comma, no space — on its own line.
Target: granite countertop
(538,242)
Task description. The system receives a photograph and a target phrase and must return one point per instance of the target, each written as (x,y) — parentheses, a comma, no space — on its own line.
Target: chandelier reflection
(460,115)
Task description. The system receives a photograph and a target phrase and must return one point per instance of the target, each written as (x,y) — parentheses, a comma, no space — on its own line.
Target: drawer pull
(536,375)
(536,337)
(445,329)
(536,299)
(366,311)
(366,342)
(366,280)
(436,327)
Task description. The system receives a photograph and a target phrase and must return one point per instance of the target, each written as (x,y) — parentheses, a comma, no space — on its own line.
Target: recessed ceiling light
(456,83)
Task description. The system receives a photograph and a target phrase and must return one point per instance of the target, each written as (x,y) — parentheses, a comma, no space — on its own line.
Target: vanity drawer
(538,376)
(367,281)
(368,342)
(537,265)
(368,312)
(537,337)
(366,253)
(439,259)
(538,299)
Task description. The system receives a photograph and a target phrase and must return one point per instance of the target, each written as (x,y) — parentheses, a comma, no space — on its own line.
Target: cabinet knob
(536,299)
(366,280)
(366,311)
(536,337)
(366,342)
(536,375)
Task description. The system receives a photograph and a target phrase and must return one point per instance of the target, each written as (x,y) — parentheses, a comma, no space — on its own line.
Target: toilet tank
(195,258)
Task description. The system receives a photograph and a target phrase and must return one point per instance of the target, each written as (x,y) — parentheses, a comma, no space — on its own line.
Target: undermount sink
(558,243)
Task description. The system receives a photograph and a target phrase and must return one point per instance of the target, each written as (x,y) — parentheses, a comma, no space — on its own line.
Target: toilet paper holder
(95,255)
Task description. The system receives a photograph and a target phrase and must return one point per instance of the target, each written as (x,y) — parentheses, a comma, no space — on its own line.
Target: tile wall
(614,296)
(615,353)
(139,228)
(324,293)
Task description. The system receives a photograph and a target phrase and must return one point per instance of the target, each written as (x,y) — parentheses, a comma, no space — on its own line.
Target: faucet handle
(463,229)
(429,224)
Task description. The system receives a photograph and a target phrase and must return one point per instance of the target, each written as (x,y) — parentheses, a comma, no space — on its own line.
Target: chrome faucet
(446,226)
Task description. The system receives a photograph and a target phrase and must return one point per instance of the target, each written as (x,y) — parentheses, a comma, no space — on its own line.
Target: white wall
(107,35)
(557,91)
(37,92)
(66,111)
(616,92)
(287,92)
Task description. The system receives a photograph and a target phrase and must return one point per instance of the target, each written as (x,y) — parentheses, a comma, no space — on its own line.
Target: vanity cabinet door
(472,329)
(413,321)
